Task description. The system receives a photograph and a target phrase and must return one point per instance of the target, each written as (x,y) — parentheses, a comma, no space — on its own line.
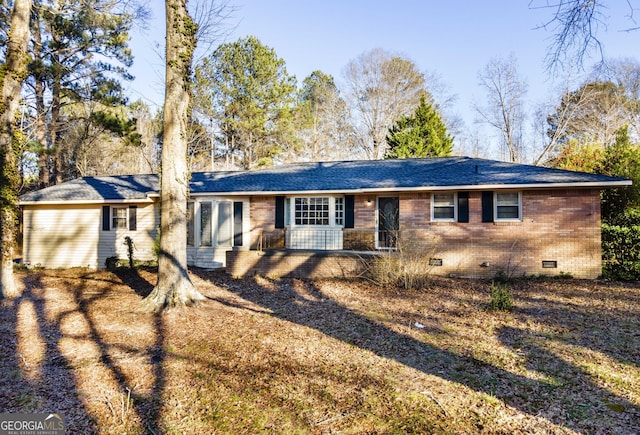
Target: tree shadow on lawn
(35,376)
(561,402)
(66,381)
(609,323)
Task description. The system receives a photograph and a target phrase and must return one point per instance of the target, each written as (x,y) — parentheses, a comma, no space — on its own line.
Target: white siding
(71,236)
(112,243)
(61,236)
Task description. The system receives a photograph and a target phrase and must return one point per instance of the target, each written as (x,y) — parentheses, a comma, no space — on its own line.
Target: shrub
(621,251)
(407,267)
(130,247)
(111,263)
(500,297)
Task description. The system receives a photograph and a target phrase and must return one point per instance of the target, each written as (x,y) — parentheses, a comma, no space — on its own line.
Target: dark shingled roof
(365,175)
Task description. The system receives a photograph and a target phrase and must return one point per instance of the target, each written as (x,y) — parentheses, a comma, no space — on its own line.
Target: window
(312,211)
(119,218)
(443,207)
(225,229)
(508,206)
(212,223)
(191,235)
(205,224)
(287,212)
(326,211)
(339,211)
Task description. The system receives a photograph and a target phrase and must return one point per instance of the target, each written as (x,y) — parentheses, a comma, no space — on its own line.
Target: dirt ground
(325,356)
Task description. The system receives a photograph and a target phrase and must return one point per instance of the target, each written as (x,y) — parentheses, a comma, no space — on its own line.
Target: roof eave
(152,196)
(462,187)
(148,200)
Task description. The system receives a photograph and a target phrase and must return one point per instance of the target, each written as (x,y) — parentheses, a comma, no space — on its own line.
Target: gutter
(147,200)
(462,187)
(154,196)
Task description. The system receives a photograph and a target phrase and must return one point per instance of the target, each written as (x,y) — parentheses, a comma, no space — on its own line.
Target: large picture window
(443,207)
(508,206)
(311,211)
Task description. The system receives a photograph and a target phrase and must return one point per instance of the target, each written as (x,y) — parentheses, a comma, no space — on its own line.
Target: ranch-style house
(470,217)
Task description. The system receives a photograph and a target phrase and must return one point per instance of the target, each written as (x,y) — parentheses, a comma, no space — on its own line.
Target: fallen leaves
(324,356)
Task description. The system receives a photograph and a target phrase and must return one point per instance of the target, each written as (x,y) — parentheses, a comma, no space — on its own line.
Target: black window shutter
(463,206)
(487,206)
(133,217)
(106,217)
(237,223)
(349,219)
(279,211)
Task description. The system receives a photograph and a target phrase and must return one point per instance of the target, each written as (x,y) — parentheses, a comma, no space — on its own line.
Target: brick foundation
(299,264)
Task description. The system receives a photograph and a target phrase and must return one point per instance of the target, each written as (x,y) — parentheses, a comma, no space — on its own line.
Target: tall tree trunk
(56,156)
(40,125)
(174,287)
(15,71)
(41,134)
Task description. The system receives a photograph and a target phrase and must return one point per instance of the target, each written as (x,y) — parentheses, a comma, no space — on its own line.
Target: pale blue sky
(453,38)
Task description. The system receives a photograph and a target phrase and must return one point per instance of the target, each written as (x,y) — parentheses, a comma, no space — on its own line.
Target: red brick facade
(561,226)
(558,227)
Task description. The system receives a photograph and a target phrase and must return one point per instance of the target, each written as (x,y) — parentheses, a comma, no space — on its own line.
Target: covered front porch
(310,252)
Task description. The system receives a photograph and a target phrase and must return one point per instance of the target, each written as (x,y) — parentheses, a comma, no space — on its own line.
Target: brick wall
(262,216)
(301,264)
(561,226)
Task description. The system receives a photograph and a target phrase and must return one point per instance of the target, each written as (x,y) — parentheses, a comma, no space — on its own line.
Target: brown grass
(327,356)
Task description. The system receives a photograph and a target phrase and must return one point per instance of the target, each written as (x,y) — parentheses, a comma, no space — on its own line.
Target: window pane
(339,211)
(443,206)
(507,198)
(443,199)
(443,213)
(119,217)
(287,212)
(205,224)
(508,212)
(190,233)
(224,224)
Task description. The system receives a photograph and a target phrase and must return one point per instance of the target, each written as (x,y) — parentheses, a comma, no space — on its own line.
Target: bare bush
(408,266)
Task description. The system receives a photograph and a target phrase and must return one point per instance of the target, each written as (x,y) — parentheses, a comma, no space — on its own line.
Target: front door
(388,222)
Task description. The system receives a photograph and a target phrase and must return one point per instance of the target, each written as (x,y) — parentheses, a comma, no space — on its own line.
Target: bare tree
(593,113)
(381,87)
(174,287)
(625,73)
(504,109)
(211,17)
(553,124)
(575,25)
(13,75)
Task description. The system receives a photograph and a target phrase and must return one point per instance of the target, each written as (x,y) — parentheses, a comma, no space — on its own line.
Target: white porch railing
(325,239)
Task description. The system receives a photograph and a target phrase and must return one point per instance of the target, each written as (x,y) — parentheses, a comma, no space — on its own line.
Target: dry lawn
(309,357)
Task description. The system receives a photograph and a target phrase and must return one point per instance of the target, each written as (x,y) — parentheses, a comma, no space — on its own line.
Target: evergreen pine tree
(421,135)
